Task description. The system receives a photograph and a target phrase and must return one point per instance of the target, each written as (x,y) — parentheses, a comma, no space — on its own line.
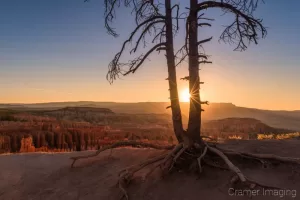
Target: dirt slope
(48,176)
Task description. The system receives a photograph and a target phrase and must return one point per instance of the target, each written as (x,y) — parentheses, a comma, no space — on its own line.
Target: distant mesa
(88,109)
(12,106)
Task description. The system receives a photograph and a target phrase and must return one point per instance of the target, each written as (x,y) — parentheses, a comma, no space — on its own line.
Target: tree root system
(183,156)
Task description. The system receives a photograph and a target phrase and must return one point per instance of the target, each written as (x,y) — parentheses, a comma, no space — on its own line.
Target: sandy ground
(39,176)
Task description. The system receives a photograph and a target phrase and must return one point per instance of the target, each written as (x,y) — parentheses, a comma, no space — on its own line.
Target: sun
(185,95)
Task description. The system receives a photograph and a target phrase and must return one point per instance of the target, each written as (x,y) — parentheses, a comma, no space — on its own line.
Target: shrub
(8,117)
(278,136)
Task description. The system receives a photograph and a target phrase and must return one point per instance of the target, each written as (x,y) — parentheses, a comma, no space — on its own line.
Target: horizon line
(35,103)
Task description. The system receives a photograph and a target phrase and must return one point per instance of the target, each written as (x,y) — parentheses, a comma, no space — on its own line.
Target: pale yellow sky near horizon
(219,90)
(143,86)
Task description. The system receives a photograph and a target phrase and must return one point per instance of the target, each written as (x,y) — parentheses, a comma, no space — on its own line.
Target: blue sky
(58,50)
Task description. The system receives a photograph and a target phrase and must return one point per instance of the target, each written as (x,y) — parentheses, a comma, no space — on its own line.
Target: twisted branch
(245,28)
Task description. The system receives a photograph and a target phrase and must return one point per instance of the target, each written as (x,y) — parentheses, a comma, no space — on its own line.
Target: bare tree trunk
(194,125)
(175,106)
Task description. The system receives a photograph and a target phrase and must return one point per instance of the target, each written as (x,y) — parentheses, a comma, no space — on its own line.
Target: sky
(59,50)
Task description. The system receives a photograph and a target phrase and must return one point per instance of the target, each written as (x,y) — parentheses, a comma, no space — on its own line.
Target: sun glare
(185,95)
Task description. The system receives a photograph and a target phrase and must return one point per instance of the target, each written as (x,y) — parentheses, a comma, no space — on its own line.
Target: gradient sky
(58,50)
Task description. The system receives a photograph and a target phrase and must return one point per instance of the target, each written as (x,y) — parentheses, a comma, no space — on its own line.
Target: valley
(77,127)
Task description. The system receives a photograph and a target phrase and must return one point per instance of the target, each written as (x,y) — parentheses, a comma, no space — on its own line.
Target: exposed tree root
(126,175)
(139,166)
(200,158)
(230,165)
(180,152)
(166,161)
(121,144)
(211,164)
(239,175)
(164,164)
(261,157)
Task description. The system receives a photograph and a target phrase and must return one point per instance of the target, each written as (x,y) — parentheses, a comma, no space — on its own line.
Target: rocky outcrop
(27,145)
(5,144)
(78,113)
(48,134)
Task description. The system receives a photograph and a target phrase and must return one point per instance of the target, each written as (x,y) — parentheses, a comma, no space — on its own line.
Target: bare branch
(204,102)
(160,34)
(143,9)
(204,24)
(205,62)
(161,49)
(109,10)
(148,27)
(186,78)
(181,59)
(247,6)
(181,54)
(115,66)
(136,63)
(203,41)
(187,26)
(205,18)
(176,6)
(245,28)
(203,56)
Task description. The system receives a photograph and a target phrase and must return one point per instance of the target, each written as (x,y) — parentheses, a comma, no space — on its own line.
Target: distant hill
(84,109)
(279,119)
(11,106)
(102,116)
(241,125)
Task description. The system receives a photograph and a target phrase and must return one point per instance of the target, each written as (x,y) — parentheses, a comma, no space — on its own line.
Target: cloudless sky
(58,50)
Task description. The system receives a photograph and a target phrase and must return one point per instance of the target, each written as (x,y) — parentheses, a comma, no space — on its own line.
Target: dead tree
(244,30)
(149,21)
(191,148)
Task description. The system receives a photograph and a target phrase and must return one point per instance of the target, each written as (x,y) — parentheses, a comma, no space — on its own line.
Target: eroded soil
(49,176)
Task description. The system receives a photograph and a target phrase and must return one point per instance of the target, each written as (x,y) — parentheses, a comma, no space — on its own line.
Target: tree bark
(194,124)
(175,106)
